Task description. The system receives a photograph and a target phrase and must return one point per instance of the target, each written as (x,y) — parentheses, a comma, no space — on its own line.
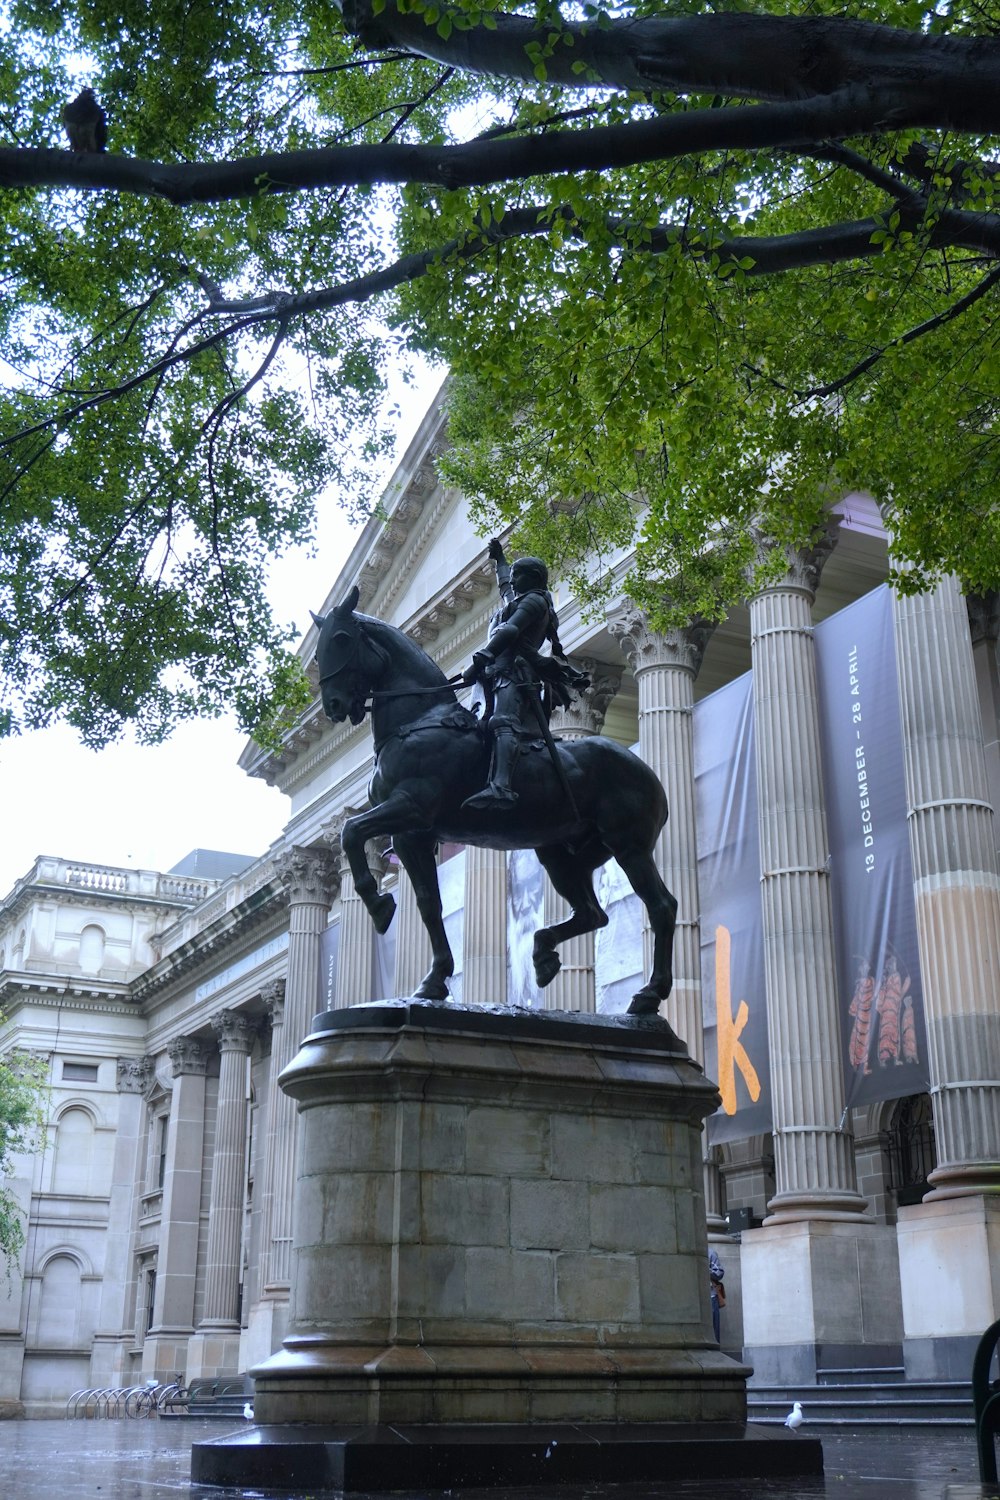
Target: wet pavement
(151,1460)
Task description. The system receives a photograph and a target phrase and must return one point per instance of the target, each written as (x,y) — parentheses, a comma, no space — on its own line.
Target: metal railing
(112,1402)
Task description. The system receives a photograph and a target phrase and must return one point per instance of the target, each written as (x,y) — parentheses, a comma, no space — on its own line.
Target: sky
(146,807)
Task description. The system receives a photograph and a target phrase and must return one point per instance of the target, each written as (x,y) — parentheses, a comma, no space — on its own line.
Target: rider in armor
(522,684)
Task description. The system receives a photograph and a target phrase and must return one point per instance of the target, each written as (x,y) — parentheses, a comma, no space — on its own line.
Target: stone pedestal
(953,1246)
(499,1218)
(819,1294)
(500,1269)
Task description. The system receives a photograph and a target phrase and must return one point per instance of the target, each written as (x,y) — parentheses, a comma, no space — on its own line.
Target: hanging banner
(732,951)
(881,1022)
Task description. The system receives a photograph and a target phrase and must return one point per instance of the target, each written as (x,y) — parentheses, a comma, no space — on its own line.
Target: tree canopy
(696,267)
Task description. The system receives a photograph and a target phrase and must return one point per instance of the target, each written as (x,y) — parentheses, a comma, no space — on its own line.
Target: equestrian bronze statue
(443,775)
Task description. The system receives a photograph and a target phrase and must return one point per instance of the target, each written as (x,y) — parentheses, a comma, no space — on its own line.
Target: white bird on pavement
(248,1412)
(795,1417)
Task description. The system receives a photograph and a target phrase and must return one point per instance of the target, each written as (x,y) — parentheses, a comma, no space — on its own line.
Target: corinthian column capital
(308,876)
(333,836)
(803,565)
(188,1054)
(236,1031)
(646,649)
(273,997)
(586,714)
(135,1074)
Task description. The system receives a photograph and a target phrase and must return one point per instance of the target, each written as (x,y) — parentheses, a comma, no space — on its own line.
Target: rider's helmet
(529,573)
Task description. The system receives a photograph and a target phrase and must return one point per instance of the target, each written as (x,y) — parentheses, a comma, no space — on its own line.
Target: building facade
(159,1200)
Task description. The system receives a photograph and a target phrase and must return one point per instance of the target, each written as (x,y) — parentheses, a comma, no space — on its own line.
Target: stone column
(984,622)
(413,947)
(164,1352)
(814,1160)
(956,1229)
(356,955)
(309,879)
(484,971)
(819,1274)
(573,987)
(215,1348)
(665,667)
(115,1334)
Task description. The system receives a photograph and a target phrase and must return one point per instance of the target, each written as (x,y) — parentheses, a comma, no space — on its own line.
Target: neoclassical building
(852,1177)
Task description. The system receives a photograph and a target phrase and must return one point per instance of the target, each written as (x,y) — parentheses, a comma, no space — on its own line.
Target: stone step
(871,1403)
(862,1375)
(222,1399)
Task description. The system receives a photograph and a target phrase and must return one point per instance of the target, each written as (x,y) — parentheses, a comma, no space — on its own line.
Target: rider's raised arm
(496,553)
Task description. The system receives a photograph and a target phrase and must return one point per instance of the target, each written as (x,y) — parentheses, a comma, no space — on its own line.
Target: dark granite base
(353,1459)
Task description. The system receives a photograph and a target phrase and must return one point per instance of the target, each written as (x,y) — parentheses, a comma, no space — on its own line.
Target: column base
(830,1208)
(816,1293)
(949,1267)
(213,1352)
(963,1182)
(164,1354)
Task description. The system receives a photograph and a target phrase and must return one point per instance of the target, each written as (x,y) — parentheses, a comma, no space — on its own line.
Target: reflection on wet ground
(151,1460)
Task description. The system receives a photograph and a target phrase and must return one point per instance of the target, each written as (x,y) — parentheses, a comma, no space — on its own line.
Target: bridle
(352,663)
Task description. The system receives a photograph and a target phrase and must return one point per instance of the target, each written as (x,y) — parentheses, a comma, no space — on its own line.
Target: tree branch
(910,336)
(802,123)
(740,56)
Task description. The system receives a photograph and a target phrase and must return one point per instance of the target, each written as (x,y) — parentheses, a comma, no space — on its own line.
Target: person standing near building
(716,1273)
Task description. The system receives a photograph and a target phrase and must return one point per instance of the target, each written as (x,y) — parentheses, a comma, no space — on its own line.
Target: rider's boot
(498,794)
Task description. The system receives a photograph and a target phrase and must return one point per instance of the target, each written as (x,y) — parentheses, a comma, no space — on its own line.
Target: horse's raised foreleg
(661,908)
(572,874)
(397,814)
(416,854)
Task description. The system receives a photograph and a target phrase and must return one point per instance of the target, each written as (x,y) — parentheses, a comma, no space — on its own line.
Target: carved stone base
(499,1218)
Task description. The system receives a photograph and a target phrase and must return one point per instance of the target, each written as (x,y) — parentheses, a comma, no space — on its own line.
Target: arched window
(92,949)
(59,1303)
(73,1165)
(912,1153)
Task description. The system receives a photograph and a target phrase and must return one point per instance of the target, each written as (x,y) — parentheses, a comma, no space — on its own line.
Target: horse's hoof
(431,989)
(645,1003)
(381,911)
(547,965)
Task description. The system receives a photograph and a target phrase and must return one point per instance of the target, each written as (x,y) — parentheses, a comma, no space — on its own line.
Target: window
(912,1154)
(161,1171)
(149,1302)
(79,1072)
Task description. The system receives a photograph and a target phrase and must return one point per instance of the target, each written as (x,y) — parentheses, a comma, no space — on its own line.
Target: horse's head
(345,662)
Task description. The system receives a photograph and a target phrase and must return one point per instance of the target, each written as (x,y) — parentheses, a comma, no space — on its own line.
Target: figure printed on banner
(882,1019)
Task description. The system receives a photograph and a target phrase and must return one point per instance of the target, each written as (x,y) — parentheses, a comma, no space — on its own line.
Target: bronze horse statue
(431,753)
